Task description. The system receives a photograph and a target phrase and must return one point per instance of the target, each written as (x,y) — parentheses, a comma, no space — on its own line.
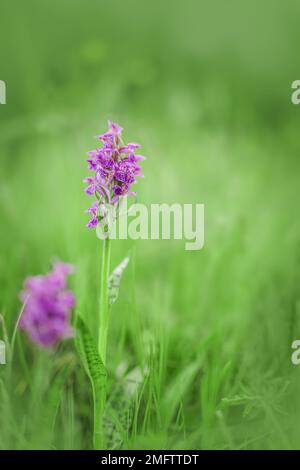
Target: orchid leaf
(96,372)
(114,280)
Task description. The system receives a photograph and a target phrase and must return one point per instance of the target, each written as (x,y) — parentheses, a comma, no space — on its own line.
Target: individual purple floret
(48,304)
(115,168)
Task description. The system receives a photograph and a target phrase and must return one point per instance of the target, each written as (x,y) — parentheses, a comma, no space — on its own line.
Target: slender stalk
(100,401)
(104,306)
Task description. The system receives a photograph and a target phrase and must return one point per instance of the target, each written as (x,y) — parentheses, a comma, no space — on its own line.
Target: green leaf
(51,406)
(178,389)
(114,281)
(97,374)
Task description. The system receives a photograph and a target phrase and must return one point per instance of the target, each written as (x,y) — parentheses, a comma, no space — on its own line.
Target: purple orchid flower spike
(115,170)
(48,304)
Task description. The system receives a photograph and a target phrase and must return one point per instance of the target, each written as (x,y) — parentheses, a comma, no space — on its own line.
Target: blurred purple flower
(115,170)
(48,304)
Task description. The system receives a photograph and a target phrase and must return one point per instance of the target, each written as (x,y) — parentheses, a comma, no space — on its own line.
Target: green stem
(100,401)
(104,306)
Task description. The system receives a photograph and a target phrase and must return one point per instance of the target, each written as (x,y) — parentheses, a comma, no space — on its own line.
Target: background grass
(200,342)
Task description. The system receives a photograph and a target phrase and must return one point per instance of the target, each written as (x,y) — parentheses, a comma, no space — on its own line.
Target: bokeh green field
(200,341)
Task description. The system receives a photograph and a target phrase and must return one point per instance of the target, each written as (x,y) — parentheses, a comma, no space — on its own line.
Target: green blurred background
(200,342)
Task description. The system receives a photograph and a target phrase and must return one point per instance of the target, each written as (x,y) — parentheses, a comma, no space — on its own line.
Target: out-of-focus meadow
(200,341)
